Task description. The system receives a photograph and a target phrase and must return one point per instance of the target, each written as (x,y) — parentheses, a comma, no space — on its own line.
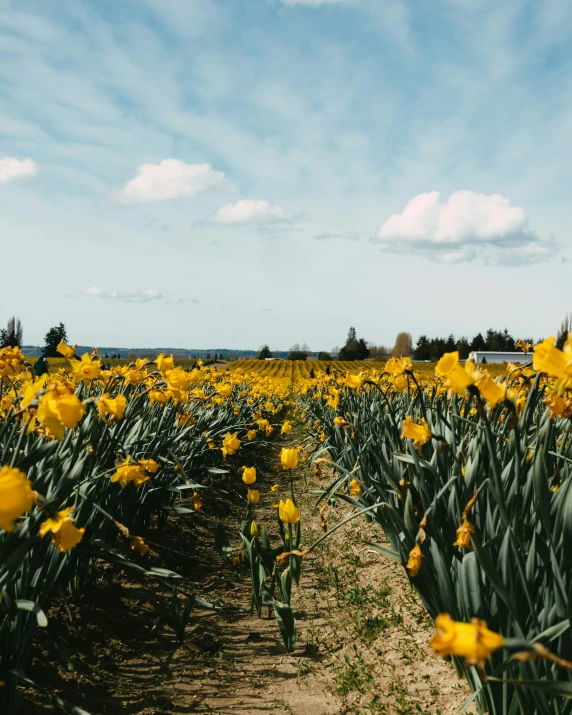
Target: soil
(362,632)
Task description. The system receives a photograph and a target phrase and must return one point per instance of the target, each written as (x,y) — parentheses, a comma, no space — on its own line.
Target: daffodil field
(466,469)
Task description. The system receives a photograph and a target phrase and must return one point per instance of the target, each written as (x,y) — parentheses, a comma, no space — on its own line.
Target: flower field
(465,470)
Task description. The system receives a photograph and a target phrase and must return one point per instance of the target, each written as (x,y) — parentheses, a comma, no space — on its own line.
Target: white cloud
(248,211)
(315,3)
(171,179)
(140,296)
(466,227)
(12,169)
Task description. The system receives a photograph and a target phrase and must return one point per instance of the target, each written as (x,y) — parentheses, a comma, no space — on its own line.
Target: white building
(498,356)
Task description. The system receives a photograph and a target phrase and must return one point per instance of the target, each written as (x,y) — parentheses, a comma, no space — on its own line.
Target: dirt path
(362,634)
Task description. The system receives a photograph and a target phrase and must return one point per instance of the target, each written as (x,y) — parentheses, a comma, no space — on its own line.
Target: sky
(230,173)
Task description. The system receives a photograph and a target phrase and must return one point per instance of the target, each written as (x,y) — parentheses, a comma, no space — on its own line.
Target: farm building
(497,356)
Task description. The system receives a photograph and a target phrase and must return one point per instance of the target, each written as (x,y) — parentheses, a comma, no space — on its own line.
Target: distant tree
(324,356)
(450,344)
(264,353)
(478,342)
(565,328)
(296,353)
(378,352)
(11,337)
(53,338)
(422,349)
(462,346)
(354,349)
(437,348)
(403,345)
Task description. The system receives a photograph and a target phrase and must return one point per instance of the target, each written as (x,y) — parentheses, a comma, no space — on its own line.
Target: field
(363,515)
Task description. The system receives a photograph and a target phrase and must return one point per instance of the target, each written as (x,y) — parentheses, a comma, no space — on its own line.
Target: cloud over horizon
(248,211)
(466,227)
(12,169)
(140,296)
(316,3)
(171,179)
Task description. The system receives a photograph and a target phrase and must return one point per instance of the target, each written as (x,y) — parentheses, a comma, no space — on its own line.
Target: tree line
(425,348)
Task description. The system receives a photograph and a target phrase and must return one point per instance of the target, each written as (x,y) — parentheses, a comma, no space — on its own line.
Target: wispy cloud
(12,169)
(316,3)
(326,236)
(248,211)
(139,296)
(465,227)
(182,301)
(171,179)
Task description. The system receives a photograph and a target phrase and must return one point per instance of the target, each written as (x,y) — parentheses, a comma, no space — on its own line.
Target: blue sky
(228,173)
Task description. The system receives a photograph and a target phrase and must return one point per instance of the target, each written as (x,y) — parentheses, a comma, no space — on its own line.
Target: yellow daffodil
(355,488)
(66,350)
(165,363)
(415,560)
(230,443)
(464,535)
(251,434)
(339,421)
(139,545)
(114,406)
(472,641)
(16,496)
(197,503)
(274,487)
(286,428)
(419,433)
(254,531)
(65,534)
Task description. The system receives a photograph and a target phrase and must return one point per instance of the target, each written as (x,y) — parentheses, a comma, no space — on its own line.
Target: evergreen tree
(11,337)
(53,338)
(463,347)
(264,353)
(422,349)
(478,342)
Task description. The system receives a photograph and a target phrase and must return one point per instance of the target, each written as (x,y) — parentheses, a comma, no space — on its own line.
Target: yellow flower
(464,535)
(339,421)
(274,487)
(322,436)
(355,488)
(286,428)
(472,641)
(288,512)
(251,434)
(415,560)
(86,369)
(253,496)
(525,347)
(148,465)
(66,350)
(197,503)
(16,496)
(158,396)
(254,531)
(558,406)
(289,458)
(115,406)
(165,363)
(230,443)
(419,433)
(139,545)
(128,472)
(354,381)
(249,475)
(457,377)
(400,383)
(549,359)
(65,534)
(491,391)
(58,411)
